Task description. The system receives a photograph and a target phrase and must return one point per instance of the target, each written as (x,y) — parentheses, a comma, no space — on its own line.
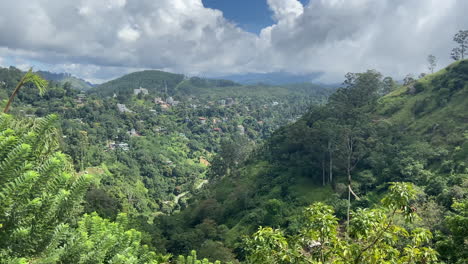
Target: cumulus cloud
(128,34)
(99,40)
(285,9)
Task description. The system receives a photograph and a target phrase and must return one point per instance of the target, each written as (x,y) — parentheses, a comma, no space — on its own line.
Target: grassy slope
(438,111)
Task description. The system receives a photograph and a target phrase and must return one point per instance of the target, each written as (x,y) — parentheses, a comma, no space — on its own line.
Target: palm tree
(29,77)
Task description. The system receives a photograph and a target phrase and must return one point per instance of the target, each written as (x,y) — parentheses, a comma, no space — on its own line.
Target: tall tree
(432,63)
(353,104)
(461,38)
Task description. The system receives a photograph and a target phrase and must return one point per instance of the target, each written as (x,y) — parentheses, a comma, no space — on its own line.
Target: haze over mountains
(63,78)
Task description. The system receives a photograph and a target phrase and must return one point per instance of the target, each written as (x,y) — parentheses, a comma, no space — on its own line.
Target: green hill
(154,81)
(417,133)
(62,78)
(158,82)
(434,108)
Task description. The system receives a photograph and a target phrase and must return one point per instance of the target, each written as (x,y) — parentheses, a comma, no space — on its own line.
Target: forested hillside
(153,147)
(62,78)
(347,150)
(156,165)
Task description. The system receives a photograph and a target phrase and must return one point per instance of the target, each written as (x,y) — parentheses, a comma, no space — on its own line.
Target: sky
(101,40)
(250,15)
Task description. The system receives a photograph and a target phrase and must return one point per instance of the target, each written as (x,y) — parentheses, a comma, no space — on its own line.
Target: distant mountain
(153,80)
(157,82)
(76,83)
(274,78)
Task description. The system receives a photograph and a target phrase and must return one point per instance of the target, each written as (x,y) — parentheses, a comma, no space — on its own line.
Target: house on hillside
(140,91)
(217,129)
(133,133)
(172,102)
(165,106)
(123,146)
(202,120)
(123,109)
(241,129)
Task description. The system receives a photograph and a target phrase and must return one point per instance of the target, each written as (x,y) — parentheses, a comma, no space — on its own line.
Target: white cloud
(102,39)
(285,9)
(128,34)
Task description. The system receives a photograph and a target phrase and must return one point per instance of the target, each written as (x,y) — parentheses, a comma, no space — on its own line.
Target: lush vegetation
(344,153)
(155,167)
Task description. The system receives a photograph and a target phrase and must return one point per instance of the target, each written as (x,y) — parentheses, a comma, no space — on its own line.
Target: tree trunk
(323,171)
(330,169)
(348,172)
(13,95)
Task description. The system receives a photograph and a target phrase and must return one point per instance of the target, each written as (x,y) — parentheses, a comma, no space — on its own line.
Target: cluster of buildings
(166,104)
(123,146)
(123,108)
(140,91)
(227,102)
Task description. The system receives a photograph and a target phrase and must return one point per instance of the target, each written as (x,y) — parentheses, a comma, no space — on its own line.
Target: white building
(140,91)
(123,109)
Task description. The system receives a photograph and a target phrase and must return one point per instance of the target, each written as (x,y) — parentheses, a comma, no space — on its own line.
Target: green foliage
(372,238)
(98,240)
(41,203)
(36,80)
(192,259)
(453,248)
(38,190)
(353,145)
(375,141)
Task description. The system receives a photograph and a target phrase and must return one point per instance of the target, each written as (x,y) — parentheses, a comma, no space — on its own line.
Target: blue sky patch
(250,15)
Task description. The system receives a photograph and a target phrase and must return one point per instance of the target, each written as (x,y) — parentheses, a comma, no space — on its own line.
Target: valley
(201,164)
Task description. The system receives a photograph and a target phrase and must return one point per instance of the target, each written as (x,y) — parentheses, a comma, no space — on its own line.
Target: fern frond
(7,143)
(5,121)
(45,129)
(13,162)
(52,176)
